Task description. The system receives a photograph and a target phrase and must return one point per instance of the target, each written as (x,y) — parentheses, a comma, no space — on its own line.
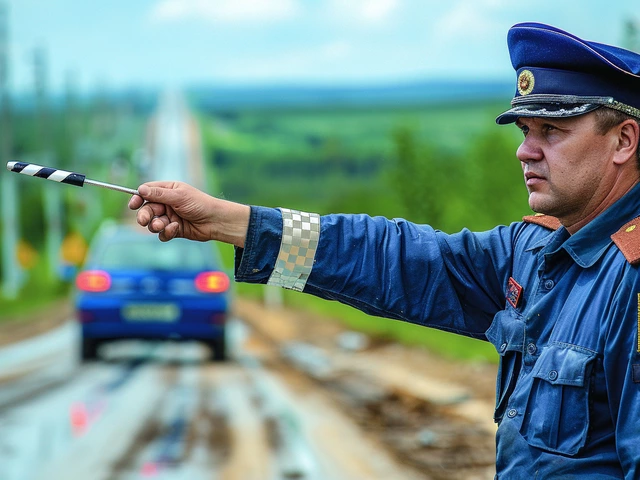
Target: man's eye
(524,129)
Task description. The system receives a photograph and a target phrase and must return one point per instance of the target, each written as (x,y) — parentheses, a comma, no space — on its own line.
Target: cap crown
(560,74)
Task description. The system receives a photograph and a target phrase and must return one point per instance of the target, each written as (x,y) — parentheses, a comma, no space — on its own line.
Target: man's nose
(529,150)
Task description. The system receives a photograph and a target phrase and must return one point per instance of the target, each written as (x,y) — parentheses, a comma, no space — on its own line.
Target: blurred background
(383,107)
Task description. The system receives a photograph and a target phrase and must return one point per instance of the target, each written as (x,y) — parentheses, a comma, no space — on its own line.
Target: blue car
(135,287)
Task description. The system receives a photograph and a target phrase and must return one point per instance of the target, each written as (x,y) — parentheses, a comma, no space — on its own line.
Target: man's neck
(573,225)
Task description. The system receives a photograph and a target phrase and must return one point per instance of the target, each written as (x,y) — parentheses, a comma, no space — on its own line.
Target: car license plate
(151,312)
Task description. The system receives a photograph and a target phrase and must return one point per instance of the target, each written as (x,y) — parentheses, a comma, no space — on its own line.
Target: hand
(176,209)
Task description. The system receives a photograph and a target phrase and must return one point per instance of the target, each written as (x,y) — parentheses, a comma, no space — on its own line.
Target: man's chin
(541,205)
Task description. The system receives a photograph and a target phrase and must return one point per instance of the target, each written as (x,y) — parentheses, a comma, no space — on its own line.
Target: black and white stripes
(54,174)
(62,176)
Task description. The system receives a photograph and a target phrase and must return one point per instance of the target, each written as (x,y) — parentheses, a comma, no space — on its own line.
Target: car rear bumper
(111,331)
(116,321)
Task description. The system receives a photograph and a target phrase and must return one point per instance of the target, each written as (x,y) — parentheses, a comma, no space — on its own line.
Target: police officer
(558,293)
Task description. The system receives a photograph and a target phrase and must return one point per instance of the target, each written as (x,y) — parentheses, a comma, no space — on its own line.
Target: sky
(175,43)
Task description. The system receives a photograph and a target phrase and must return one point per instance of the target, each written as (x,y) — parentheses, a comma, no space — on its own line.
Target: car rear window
(135,254)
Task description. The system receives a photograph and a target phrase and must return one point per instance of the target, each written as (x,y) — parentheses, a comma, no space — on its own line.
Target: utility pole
(52,198)
(11,273)
(631,38)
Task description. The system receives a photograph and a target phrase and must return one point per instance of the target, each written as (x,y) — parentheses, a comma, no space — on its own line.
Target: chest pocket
(556,417)
(507,334)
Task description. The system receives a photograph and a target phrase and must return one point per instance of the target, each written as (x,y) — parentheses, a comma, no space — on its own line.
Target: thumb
(159,192)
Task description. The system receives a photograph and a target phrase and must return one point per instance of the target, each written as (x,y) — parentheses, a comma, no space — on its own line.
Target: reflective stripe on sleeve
(300,234)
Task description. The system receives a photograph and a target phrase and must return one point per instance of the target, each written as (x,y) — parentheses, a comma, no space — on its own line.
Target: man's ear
(628,138)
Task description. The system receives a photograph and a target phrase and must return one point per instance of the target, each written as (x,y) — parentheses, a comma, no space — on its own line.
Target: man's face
(567,165)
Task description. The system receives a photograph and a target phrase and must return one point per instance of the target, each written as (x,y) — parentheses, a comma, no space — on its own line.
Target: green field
(355,160)
(449,166)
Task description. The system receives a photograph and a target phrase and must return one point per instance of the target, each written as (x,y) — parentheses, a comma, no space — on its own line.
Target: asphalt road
(162,411)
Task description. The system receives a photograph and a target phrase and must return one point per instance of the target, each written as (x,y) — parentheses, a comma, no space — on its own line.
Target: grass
(277,157)
(443,343)
(22,308)
(446,344)
(338,160)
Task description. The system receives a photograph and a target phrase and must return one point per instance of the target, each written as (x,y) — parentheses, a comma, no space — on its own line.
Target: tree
(423,179)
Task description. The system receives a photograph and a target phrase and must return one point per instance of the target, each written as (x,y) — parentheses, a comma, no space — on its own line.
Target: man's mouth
(532,179)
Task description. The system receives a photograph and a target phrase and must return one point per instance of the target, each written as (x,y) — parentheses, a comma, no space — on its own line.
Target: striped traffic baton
(62,176)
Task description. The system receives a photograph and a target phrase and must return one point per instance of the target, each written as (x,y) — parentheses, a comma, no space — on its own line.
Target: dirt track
(433,415)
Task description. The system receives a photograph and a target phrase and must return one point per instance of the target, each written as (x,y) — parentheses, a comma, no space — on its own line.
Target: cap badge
(525,82)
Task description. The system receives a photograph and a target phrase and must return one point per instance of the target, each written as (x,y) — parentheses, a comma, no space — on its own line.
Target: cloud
(378,10)
(476,19)
(225,11)
(469,30)
(371,12)
(335,50)
(466,19)
(294,63)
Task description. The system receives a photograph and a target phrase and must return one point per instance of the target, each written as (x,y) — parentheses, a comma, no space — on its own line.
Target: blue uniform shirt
(563,312)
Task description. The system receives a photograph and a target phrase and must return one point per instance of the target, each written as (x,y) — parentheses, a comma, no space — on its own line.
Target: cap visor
(546,110)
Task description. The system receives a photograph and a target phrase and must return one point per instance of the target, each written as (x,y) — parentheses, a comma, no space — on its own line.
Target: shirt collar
(588,244)
(549,239)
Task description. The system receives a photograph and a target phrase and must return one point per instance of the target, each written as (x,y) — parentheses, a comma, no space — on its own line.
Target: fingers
(135,202)
(148,212)
(155,201)
(154,217)
(165,228)
(169,232)
(158,224)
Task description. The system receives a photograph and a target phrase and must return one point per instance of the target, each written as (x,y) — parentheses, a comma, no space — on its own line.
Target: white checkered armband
(300,235)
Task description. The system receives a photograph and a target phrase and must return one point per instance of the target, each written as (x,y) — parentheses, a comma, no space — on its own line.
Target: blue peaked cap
(561,75)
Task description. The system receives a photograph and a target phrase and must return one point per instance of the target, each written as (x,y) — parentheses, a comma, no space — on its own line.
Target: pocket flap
(563,364)
(506,333)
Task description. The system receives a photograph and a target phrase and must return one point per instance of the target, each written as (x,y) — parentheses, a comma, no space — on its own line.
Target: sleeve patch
(300,236)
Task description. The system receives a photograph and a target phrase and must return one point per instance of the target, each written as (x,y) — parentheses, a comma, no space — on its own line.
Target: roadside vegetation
(446,165)
(97,137)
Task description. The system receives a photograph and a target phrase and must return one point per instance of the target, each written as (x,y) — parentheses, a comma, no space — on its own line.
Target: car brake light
(218,318)
(93,281)
(212,282)
(85,316)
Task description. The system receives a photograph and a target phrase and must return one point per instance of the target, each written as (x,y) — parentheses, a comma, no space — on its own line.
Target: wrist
(230,223)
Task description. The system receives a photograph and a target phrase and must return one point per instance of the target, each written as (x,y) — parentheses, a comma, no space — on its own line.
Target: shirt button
(553,375)
(549,284)
(531,348)
(503,347)
(512,413)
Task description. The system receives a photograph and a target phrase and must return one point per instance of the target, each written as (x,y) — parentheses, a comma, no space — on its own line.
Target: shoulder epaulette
(552,223)
(628,240)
